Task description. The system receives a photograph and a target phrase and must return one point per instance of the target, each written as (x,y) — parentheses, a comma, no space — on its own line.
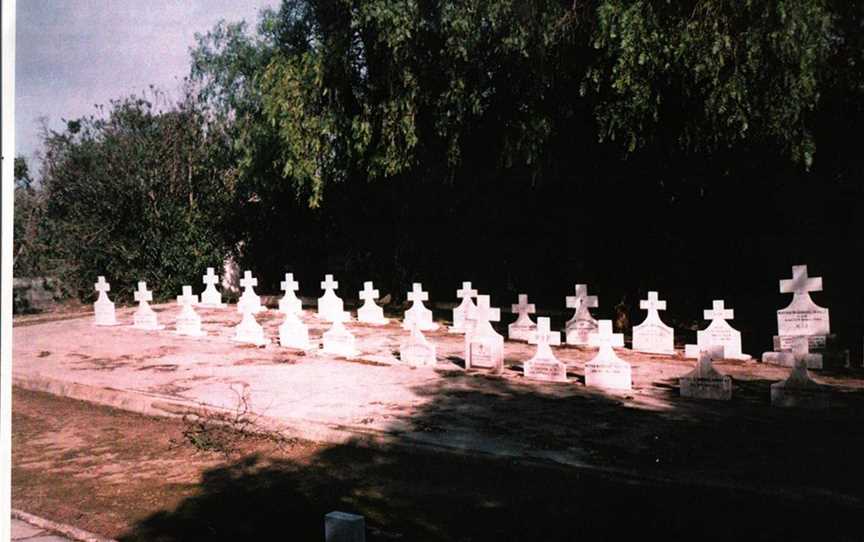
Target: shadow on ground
(698,470)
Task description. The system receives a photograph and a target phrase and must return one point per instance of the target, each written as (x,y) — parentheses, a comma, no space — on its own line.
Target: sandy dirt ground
(650,434)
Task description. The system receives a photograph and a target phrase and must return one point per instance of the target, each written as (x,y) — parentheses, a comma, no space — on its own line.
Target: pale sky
(72,54)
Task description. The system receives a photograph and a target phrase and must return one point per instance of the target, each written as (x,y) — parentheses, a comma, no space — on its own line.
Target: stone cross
(187,298)
(800,282)
(248,281)
(653,303)
(289,284)
(719,312)
(142,295)
(544,335)
(210,279)
(368,293)
(523,307)
(417,294)
(329,283)
(604,336)
(102,286)
(581,298)
(484,312)
(466,291)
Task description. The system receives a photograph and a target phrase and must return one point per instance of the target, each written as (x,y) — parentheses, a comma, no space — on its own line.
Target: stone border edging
(66,530)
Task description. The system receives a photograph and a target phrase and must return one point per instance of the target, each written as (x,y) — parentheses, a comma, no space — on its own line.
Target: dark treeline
(695,148)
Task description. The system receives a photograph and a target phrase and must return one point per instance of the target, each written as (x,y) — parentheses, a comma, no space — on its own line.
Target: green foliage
(742,71)
(138,194)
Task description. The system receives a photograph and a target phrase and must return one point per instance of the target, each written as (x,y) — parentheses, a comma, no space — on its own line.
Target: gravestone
(344,527)
(418,312)
(211,297)
(417,350)
(330,306)
(484,347)
(338,341)
(607,370)
(249,331)
(705,382)
(718,333)
(544,365)
(579,328)
(370,312)
(249,301)
(145,317)
(104,307)
(802,318)
(293,333)
(522,328)
(289,301)
(466,306)
(653,335)
(188,321)
(799,390)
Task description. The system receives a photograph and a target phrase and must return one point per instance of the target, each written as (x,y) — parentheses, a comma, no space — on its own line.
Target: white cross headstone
(103,308)
(653,335)
(416,350)
(718,333)
(370,312)
(249,300)
(522,328)
(249,331)
(211,297)
(145,317)
(544,365)
(290,302)
(466,293)
(803,317)
(705,382)
(799,390)
(330,306)
(188,321)
(293,332)
(579,328)
(484,347)
(338,341)
(418,312)
(607,370)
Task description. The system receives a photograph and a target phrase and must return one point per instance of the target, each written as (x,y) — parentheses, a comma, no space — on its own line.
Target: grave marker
(103,307)
(484,347)
(289,301)
(293,332)
(145,317)
(370,312)
(580,327)
(465,307)
(653,335)
(330,306)
(418,312)
(522,328)
(799,390)
(249,330)
(338,341)
(802,318)
(544,365)
(705,382)
(211,297)
(188,321)
(607,370)
(249,300)
(718,333)
(416,350)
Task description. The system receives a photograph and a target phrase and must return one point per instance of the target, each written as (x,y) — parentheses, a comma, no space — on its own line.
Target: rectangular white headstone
(522,328)
(544,365)
(607,370)
(484,347)
(653,335)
